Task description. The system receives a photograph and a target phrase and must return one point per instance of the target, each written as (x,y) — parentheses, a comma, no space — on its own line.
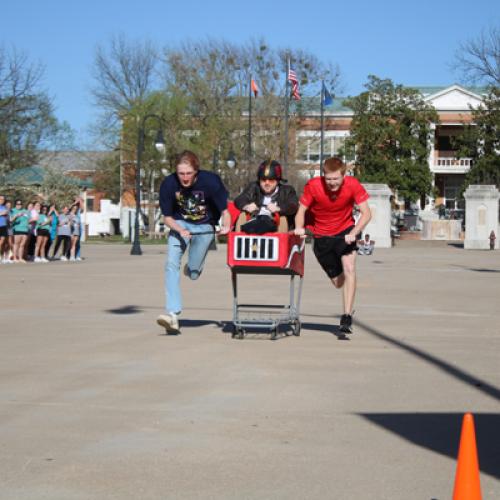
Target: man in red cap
(267,197)
(329,201)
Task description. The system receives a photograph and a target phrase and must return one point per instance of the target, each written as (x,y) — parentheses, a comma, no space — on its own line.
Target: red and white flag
(292,77)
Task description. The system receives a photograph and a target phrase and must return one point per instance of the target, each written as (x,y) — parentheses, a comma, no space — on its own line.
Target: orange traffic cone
(467,485)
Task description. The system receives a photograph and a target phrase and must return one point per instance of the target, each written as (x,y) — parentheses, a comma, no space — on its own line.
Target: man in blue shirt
(192,201)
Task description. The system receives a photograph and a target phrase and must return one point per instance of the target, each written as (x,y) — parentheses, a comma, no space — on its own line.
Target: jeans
(197,247)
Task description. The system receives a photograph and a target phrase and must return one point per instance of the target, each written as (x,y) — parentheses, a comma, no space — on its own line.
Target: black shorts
(329,251)
(43,232)
(3,231)
(20,233)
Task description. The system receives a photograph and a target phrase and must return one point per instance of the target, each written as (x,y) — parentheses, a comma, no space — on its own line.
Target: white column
(379,227)
(431,141)
(481,216)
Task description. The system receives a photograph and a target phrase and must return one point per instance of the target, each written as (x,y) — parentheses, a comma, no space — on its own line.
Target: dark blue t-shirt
(202,203)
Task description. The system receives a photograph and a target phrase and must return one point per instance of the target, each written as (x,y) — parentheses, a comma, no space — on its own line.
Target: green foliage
(27,120)
(59,188)
(390,132)
(481,142)
(107,177)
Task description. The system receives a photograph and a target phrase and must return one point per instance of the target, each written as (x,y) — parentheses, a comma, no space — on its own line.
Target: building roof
(427,91)
(28,176)
(34,176)
(70,161)
(311,105)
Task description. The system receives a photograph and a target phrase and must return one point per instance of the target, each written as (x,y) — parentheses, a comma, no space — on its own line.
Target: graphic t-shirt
(202,203)
(330,213)
(21,222)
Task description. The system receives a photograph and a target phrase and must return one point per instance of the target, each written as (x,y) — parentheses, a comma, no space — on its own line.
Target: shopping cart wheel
(274,333)
(296,327)
(237,333)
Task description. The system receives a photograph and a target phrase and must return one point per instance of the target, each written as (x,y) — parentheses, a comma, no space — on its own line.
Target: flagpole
(287,98)
(321,154)
(250,119)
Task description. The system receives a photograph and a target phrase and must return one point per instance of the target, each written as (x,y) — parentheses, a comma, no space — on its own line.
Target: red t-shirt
(330,213)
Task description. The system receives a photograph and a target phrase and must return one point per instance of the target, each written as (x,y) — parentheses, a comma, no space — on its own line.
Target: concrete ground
(96,402)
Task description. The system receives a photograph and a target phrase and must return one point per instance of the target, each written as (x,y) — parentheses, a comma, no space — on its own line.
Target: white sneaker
(78,259)
(37,259)
(170,322)
(64,258)
(44,259)
(72,259)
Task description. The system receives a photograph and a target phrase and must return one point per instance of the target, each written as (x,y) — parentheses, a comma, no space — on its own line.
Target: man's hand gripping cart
(269,253)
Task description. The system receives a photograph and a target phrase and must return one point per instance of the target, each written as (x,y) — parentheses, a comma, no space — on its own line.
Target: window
(89,204)
(309,147)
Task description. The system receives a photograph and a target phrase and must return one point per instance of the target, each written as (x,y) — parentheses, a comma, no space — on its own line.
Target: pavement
(96,402)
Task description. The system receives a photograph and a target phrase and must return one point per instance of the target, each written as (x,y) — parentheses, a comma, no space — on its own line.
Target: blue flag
(327,97)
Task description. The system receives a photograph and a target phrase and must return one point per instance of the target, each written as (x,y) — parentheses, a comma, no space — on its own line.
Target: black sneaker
(346,323)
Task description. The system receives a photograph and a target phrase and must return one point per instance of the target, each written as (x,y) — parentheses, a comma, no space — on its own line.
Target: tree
(59,188)
(390,133)
(27,119)
(124,78)
(478,59)
(481,142)
(213,77)
(107,178)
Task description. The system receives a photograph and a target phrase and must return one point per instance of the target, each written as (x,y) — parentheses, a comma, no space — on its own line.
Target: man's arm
(226,222)
(247,199)
(288,201)
(363,221)
(300,218)
(171,223)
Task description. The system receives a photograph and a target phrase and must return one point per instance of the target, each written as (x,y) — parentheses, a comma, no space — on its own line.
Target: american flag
(292,77)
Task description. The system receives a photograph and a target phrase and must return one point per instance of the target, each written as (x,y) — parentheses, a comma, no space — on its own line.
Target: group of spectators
(34,232)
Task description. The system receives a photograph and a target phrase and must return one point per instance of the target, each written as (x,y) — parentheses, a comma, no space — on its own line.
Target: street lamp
(231,159)
(160,146)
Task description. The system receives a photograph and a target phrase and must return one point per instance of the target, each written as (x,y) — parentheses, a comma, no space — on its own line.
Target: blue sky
(412,43)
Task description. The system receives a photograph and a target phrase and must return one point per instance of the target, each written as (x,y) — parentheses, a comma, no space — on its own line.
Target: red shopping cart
(269,253)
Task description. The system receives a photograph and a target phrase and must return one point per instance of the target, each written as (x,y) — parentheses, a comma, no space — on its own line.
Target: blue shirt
(53,226)
(3,218)
(201,203)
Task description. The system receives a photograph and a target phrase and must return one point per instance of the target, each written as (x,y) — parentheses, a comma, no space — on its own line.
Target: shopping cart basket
(269,253)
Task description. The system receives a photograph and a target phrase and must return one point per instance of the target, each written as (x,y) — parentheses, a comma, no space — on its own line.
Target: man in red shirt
(329,201)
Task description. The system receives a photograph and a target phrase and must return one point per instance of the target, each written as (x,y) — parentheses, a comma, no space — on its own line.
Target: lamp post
(231,159)
(160,146)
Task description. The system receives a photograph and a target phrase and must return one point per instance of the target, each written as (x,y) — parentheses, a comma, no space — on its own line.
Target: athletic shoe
(44,259)
(38,259)
(346,323)
(64,258)
(78,259)
(72,259)
(169,321)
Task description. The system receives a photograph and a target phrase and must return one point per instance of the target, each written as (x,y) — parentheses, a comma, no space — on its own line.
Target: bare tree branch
(478,60)
(124,74)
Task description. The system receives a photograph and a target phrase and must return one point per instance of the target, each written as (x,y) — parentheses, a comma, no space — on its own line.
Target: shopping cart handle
(295,249)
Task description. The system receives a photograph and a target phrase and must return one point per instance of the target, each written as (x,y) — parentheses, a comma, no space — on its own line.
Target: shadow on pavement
(480,385)
(125,310)
(440,432)
(196,323)
(322,327)
(478,269)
